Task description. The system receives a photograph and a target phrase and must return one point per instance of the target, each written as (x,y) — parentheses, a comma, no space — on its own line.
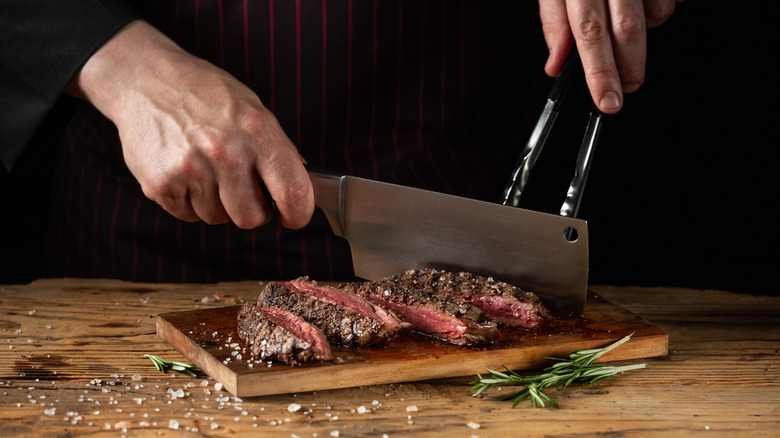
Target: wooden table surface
(72,364)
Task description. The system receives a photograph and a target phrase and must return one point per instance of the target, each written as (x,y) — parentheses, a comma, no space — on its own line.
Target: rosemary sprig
(579,368)
(165,365)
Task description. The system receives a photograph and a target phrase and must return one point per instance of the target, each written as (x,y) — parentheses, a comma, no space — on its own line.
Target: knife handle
(327,196)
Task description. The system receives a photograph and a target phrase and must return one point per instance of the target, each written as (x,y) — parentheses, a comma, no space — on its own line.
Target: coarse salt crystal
(50,411)
(411,409)
(173,424)
(473,425)
(361,409)
(136,377)
(294,407)
(218,386)
(334,433)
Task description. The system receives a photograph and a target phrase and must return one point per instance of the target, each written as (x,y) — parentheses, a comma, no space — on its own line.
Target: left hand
(611,37)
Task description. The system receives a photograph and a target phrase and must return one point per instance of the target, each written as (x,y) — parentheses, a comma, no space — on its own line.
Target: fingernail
(609,101)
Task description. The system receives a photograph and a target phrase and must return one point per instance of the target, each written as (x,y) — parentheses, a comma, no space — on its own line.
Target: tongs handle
(539,135)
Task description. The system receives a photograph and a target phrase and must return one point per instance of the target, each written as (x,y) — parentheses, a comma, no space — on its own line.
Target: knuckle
(592,29)
(254,122)
(160,186)
(216,147)
(296,194)
(628,27)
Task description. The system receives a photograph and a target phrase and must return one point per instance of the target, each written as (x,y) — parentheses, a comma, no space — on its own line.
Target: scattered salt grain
(214,426)
(334,433)
(136,377)
(50,411)
(218,386)
(362,409)
(173,424)
(473,425)
(411,408)
(294,407)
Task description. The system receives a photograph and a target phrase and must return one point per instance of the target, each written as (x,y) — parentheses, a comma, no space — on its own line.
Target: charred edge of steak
(504,302)
(445,317)
(339,324)
(272,335)
(346,297)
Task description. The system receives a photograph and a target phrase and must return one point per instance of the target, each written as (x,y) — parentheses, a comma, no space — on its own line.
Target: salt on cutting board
(208,338)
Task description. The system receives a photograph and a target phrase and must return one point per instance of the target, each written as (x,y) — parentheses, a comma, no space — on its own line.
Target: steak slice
(338,323)
(389,323)
(445,317)
(274,334)
(503,302)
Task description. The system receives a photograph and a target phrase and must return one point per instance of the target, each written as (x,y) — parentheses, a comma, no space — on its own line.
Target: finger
(207,205)
(178,206)
(290,187)
(629,39)
(590,26)
(196,171)
(244,200)
(171,195)
(658,11)
(557,33)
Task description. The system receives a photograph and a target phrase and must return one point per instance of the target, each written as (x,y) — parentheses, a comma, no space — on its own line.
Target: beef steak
(503,302)
(275,334)
(446,317)
(332,312)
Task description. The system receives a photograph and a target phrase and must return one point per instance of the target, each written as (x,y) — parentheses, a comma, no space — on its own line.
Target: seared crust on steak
(503,302)
(268,340)
(448,318)
(340,324)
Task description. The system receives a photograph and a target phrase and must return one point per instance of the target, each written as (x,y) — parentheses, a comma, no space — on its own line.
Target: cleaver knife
(392,228)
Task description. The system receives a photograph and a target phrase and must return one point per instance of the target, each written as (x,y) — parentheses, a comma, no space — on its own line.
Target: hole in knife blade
(570,234)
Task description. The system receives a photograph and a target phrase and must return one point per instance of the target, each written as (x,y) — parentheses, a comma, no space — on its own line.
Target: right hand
(611,37)
(197,140)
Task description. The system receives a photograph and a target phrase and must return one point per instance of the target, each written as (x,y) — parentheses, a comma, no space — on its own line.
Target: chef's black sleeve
(43,44)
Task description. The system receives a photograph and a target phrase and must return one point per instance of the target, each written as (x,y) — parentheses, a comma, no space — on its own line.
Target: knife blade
(392,228)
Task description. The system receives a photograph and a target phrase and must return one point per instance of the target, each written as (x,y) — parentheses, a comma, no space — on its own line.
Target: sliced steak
(443,316)
(275,334)
(390,323)
(505,303)
(338,323)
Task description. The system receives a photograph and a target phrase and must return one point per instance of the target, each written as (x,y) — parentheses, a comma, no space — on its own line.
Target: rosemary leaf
(579,368)
(165,365)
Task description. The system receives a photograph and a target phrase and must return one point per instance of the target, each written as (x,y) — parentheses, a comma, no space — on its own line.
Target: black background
(683,189)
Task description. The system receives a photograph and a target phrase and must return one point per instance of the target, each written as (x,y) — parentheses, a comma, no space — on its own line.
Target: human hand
(611,38)
(196,139)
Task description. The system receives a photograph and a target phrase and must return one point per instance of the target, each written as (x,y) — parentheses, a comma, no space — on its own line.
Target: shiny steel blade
(392,228)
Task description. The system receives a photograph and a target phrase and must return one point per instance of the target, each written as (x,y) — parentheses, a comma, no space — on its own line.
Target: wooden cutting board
(208,338)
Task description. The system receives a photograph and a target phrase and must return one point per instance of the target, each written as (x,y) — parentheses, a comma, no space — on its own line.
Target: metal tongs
(536,142)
